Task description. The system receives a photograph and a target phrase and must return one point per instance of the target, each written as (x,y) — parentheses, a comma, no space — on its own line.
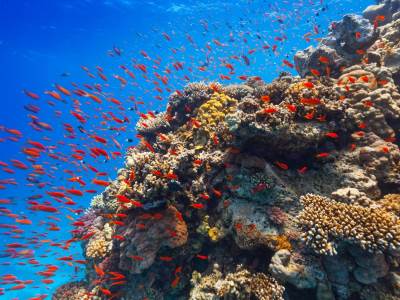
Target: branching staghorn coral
(326,222)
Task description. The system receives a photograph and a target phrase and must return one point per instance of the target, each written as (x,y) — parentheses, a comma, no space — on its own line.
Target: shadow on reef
(299,294)
(268,191)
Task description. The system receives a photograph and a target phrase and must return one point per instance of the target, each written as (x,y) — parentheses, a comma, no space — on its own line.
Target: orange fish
(265,98)
(100,182)
(175,282)
(24,221)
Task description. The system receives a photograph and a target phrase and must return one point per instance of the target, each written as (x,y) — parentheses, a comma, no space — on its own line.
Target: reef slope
(281,190)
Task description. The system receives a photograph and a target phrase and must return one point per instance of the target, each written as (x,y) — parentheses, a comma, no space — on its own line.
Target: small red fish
(137,258)
(332,135)
(322,155)
(217,193)
(197,205)
(310,101)
(171,176)
(282,165)
(175,282)
(309,116)
(315,72)
(259,187)
(302,170)
(166,258)
(323,59)
(308,84)
(270,110)
(291,107)
(265,98)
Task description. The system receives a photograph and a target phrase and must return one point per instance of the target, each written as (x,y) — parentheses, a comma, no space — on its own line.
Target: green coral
(204,227)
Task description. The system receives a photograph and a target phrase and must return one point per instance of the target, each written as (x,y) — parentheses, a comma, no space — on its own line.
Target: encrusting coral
(249,190)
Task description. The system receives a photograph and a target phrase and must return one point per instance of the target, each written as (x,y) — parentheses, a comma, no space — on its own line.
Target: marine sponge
(213,112)
(326,221)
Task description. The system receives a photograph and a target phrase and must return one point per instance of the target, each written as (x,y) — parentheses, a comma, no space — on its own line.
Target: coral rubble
(285,190)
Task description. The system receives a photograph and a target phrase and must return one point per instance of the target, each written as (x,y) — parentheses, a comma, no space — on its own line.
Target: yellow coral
(97,247)
(204,227)
(213,112)
(325,221)
(281,242)
(391,203)
(299,87)
(100,243)
(213,233)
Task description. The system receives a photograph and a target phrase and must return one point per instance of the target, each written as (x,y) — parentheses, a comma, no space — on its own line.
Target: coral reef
(71,291)
(371,229)
(280,190)
(240,284)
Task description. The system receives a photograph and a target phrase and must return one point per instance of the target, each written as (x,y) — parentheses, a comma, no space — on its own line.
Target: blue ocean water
(44,43)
